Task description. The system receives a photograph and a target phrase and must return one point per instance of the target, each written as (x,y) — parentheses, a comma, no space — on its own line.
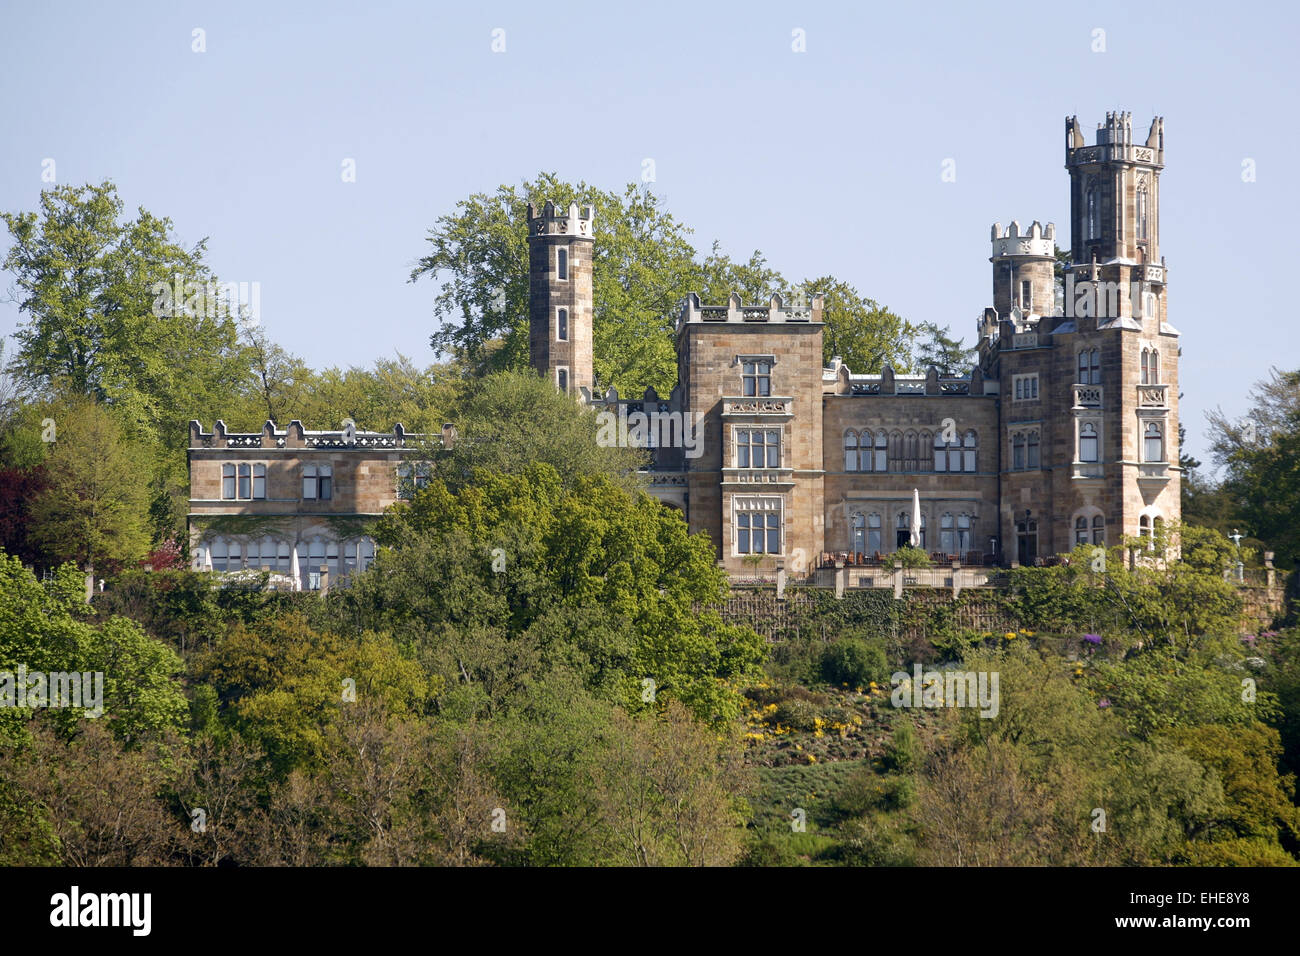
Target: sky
(828,160)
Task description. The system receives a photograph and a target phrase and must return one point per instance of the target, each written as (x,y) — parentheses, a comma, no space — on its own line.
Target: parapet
(1038,241)
(295,436)
(777,311)
(577,221)
(1114,142)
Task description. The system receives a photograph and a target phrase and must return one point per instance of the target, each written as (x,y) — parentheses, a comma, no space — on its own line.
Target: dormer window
(562,263)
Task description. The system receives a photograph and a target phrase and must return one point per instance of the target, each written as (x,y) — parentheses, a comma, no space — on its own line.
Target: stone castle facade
(1064,431)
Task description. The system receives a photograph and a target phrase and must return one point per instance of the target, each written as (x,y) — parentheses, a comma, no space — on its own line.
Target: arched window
(283,560)
(964,527)
(259,482)
(924,442)
(228,482)
(970,444)
(1144,531)
(1082,378)
(940,452)
(1153,440)
(911,453)
(562,325)
(1088,450)
(235,558)
(218,553)
(1146,368)
(562,263)
(254,555)
(1098,529)
(1155,366)
(1018,452)
(873,534)
(1081,530)
(1142,210)
(858,534)
(1094,212)
(882,454)
(309,482)
(896,451)
(851,450)
(245,481)
(1032,461)
(947,536)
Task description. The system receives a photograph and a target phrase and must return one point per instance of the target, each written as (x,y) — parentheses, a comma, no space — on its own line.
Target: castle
(1063,432)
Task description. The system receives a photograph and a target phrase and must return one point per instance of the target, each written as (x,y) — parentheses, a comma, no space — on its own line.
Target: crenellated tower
(560,248)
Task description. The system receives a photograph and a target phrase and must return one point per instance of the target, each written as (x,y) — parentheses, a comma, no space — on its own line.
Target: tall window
(851,451)
(1090,367)
(947,534)
(228,482)
(1142,211)
(259,482)
(562,325)
(758,532)
(969,446)
(758,448)
(873,534)
(1094,212)
(756,378)
(1018,452)
(562,263)
(1098,530)
(1153,440)
(562,379)
(911,451)
(1080,530)
(1146,371)
(1026,294)
(1088,450)
(1032,460)
(882,451)
(964,528)
(903,528)
(317,482)
(1155,367)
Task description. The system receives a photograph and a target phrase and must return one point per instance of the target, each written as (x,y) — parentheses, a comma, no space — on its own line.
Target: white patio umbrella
(293,568)
(914,539)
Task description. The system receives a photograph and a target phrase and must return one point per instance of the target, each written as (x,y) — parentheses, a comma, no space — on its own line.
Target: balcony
(1087,396)
(1153,396)
(1153,471)
(766,406)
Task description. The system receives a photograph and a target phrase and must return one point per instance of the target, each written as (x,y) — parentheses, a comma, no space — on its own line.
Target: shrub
(903,752)
(854,662)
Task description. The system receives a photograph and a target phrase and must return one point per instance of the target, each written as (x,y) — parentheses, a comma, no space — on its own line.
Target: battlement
(1114,142)
(775,311)
(296,436)
(577,220)
(1038,240)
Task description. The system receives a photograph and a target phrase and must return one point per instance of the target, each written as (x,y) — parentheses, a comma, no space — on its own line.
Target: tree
(1261,458)
(99,325)
(950,356)
(863,333)
(92,510)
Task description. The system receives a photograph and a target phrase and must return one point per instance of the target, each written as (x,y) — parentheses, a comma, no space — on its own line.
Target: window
(1018,452)
(964,525)
(1094,212)
(1098,530)
(858,534)
(882,445)
(1142,211)
(259,482)
(1026,388)
(1146,371)
(562,263)
(317,482)
(1150,306)
(1090,367)
(1026,295)
(1032,461)
(562,379)
(412,477)
(245,481)
(758,532)
(911,452)
(358,555)
(970,444)
(562,325)
(1088,450)
(903,530)
(1081,530)
(283,560)
(873,533)
(851,451)
(1144,531)
(947,537)
(217,553)
(756,378)
(758,448)
(1153,441)
(228,482)
(1155,366)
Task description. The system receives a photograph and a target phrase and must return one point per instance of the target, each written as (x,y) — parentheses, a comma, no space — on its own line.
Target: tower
(560,247)
(1023,268)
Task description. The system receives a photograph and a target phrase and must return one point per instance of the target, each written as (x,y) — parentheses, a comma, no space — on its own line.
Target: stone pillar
(840,576)
(780,582)
(324,579)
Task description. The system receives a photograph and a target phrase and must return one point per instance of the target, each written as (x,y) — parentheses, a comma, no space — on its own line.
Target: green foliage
(854,663)
(903,752)
(864,334)
(910,557)
(950,356)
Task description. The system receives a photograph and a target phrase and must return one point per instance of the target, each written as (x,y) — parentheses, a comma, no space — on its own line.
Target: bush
(855,663)
(903,752)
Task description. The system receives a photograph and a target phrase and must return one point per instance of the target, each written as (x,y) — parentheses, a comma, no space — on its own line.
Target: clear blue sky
(828,161)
